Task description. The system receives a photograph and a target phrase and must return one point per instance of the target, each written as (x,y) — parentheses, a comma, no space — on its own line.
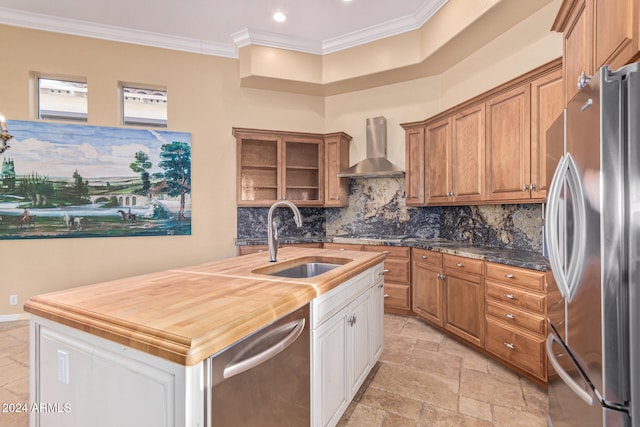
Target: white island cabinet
(347,339)
(80,378)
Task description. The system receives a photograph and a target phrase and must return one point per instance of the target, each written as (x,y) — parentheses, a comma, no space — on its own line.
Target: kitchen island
(132,350)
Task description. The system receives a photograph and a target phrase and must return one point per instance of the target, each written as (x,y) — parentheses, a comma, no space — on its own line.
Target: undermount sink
(301,268)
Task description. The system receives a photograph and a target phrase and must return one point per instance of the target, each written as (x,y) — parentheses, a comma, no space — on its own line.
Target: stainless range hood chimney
(376,164)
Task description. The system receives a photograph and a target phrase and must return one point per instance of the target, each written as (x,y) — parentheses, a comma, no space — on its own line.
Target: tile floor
(424,378)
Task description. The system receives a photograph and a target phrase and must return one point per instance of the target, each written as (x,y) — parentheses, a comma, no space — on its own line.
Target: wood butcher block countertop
(188,314)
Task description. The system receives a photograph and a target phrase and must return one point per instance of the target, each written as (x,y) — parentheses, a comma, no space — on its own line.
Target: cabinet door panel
(616,21)
(360,334)
(415,160)
(438,173)
(330,369)
(508,151)
(468,154)
(427,292)
(547,103)
(303,176)
(464,302)
(578,46)
(336,158)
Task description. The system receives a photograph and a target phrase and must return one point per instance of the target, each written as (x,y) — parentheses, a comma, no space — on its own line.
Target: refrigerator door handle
(563,374)
(576,260)
(551,226)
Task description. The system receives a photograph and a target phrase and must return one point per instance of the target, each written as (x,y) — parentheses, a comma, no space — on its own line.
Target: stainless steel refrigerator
(592,234)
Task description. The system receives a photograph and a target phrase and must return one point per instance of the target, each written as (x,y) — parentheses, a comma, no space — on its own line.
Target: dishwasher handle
(246,364)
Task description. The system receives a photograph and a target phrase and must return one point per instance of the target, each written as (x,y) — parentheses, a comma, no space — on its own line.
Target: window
(62,99)
(144,107)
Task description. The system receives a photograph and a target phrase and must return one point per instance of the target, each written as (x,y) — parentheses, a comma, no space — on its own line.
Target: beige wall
(205,98)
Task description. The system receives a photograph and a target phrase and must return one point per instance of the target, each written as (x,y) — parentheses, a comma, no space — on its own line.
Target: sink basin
(301,268)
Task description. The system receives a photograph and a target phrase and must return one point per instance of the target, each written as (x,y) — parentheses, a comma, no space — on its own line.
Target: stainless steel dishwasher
(263,380)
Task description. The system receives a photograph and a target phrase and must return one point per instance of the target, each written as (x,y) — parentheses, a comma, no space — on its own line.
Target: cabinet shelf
(312,168)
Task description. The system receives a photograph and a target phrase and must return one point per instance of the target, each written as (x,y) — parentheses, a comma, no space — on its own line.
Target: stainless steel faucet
(272,230)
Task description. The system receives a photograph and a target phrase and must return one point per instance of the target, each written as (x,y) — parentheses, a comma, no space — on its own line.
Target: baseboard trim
(14,317)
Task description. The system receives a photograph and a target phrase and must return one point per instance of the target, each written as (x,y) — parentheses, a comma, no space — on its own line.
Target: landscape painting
(70,180)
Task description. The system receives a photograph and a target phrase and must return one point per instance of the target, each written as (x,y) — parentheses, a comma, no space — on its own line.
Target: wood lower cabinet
(448,291)
(464,298)
(427,283)
(397,277)
(516,318)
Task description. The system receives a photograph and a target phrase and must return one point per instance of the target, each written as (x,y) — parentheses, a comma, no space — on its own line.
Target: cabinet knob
(532,187)
(385,271)
(509,345)
(510,296)
(385,252)
(458,264)
(525,187)
(441,276)
(387,296)
(509,316)
(583,79)
(509,276)
(424,257)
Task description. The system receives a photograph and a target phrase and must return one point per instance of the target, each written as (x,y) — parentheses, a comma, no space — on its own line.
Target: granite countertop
(516,258)
(188,314)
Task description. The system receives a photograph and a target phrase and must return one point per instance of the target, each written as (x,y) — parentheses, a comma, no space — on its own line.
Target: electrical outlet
(63,367)
(13,299)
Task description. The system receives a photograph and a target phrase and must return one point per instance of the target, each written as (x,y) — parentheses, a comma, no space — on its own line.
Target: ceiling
(219,27)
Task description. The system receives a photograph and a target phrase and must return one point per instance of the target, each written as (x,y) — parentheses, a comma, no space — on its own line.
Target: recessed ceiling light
(279,17)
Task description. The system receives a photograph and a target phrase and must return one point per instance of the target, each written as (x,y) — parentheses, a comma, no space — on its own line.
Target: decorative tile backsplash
(377,206)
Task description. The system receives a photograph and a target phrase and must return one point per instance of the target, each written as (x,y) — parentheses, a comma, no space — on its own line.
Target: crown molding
(119,34)
(240,39)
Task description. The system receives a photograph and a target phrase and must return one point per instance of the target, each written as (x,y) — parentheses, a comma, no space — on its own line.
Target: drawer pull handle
(509,345)
(510,316)
(510,296)
(387,296)
(385,271)
(385,252)
(459,264)
(342,249)
(509,276)
(260,250)
(424,257)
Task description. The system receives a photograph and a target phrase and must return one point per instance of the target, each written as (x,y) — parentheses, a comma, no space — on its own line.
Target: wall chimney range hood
(376,164)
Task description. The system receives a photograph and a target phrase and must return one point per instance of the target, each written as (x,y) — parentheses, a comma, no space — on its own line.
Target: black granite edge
(512,257)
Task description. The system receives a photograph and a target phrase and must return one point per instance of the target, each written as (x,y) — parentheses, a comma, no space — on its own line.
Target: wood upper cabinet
(597,32)
(336,159)
(438,161)
(277,165)
(617,26)
(415,162)
(490,149)
(455,157)
(508,145)
(547,103)
(467,152)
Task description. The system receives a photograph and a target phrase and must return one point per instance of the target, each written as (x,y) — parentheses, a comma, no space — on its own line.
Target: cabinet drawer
(390,251)
(521,349)
(516,297)
(343,246)
(329,303)
(397,270)
(252,249)
(427,256)
(529,279)
(515,317)
(397,296)
(468,265)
